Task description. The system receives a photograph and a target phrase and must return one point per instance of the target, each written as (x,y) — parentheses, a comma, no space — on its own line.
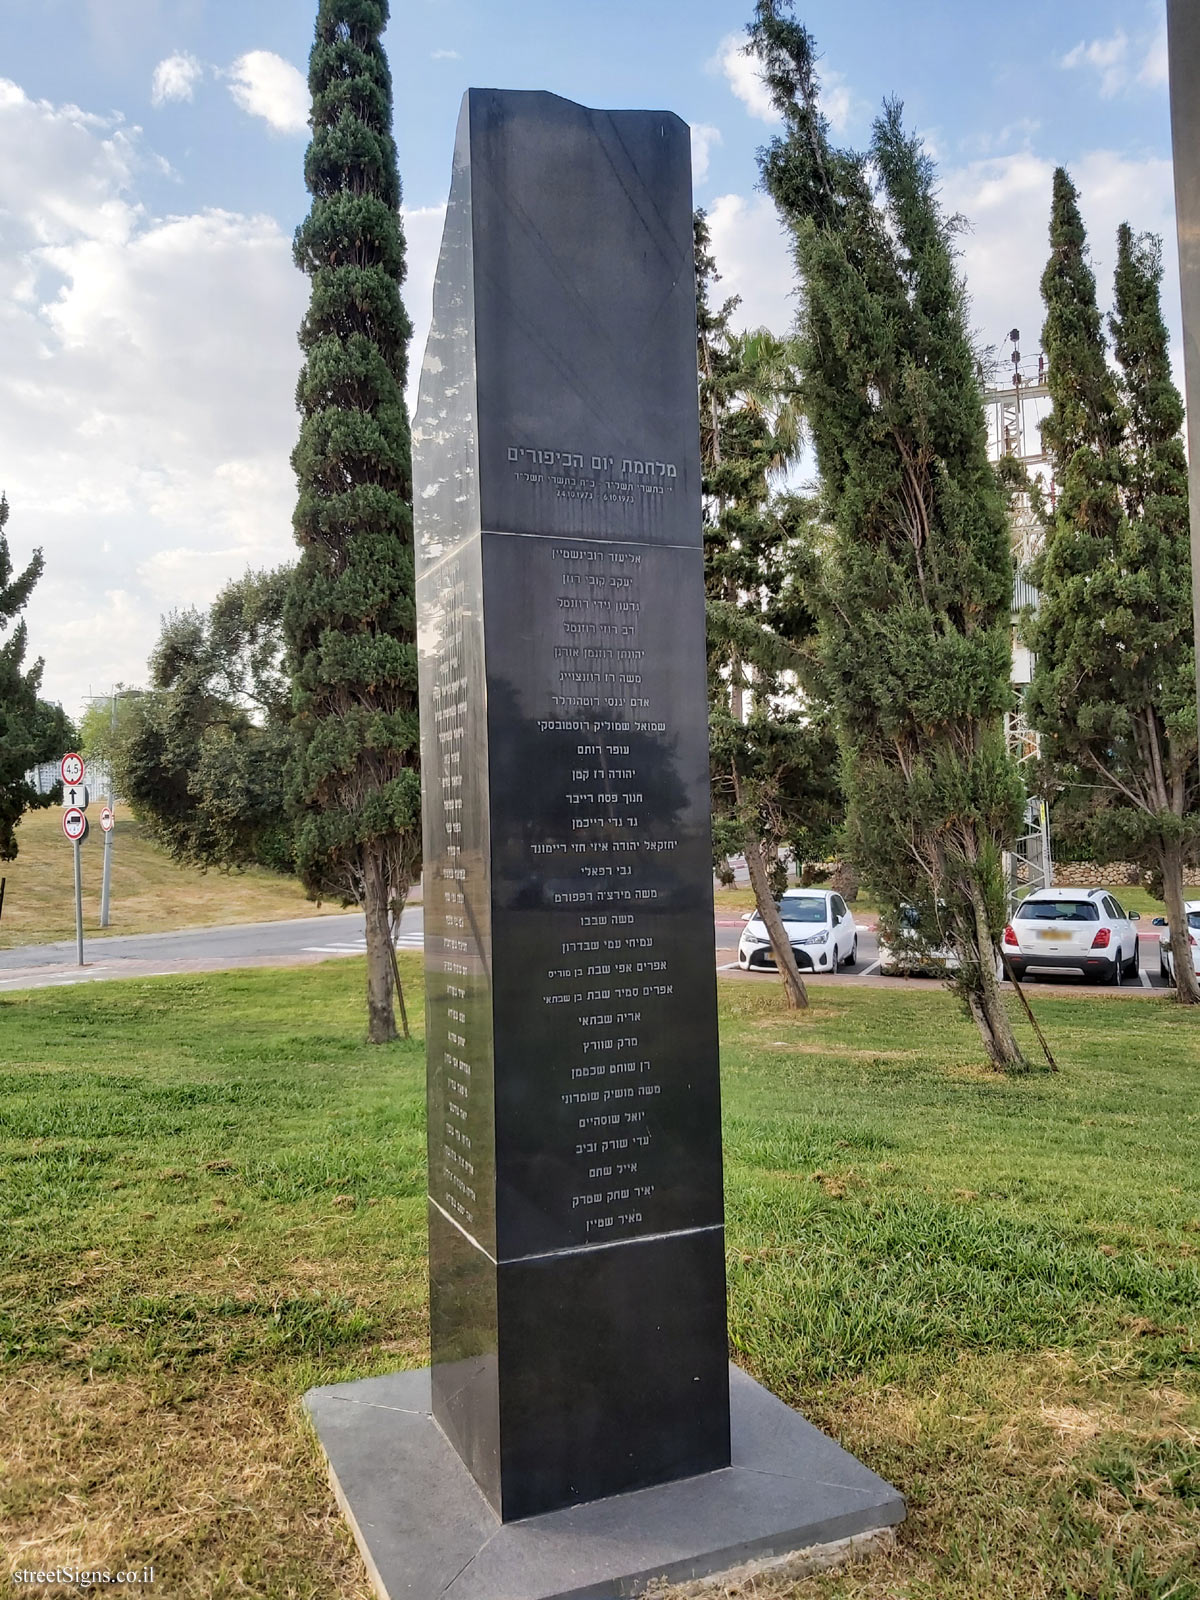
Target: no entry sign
(74,824)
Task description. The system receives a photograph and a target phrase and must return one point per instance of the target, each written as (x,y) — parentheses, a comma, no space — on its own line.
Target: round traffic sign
(71,768)
(74,824)
(106,818)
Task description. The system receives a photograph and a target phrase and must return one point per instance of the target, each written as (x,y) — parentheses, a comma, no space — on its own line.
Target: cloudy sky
(151,177)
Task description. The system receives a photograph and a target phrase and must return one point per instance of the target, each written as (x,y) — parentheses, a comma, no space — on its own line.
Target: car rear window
(803,908)
(1194,919)
(1059,911)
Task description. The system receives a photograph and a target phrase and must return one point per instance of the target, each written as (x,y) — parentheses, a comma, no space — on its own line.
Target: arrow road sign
(75,794)
(72,769)
(106,818)
(74,824)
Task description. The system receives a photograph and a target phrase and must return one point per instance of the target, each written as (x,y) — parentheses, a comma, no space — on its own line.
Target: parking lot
(729,929)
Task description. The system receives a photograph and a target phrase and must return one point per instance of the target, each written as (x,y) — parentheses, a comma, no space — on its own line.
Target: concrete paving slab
(426,1532)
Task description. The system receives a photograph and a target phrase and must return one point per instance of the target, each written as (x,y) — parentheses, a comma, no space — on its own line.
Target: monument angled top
(619,460)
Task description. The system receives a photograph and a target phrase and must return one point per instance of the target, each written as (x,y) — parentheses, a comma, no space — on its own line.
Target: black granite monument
(575,1203)
(574,1436)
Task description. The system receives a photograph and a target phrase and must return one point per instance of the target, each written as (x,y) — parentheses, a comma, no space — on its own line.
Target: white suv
(820,930)
(1073,930)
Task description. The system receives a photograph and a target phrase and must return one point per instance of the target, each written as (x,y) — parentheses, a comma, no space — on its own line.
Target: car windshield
(1194,919)
(1059,911)
(803,908)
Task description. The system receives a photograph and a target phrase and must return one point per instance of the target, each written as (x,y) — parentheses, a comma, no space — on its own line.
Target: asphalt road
(309,939)
(249,944)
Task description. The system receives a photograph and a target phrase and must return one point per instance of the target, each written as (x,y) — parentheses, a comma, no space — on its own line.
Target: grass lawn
(150,892)
(989,1289)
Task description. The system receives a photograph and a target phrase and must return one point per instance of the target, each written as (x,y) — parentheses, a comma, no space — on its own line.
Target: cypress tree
(774,782)
(918,594)
(1113,688)
(349,617)
(20,713)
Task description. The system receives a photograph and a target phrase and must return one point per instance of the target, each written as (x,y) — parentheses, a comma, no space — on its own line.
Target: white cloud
(423,236)
(64,169)
(838,101)
(1153,71)
(704,137)
(175,78)
(1109,57)
(1006,200)
(444,55)
(987,143)
(267,86)
(138,444)
(755,262)
(1121,61)
(741,73)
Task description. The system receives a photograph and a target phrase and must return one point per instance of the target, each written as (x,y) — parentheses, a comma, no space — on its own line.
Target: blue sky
(151,176)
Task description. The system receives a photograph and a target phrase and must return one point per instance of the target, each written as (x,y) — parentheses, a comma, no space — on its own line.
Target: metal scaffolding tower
(1017,402)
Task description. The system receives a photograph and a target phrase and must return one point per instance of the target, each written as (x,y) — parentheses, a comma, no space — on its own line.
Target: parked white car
(820,929)
(904,955)
(1166,962)
(1073,930)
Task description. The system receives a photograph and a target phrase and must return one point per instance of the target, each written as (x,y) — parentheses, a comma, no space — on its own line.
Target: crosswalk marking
(406,941)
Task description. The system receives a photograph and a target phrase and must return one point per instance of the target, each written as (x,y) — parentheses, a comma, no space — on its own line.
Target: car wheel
(1118,977)
(1135,963)
(1164,970)
(852,958)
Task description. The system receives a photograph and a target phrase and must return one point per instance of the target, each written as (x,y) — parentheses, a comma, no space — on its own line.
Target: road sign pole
(106,879)
(78,902)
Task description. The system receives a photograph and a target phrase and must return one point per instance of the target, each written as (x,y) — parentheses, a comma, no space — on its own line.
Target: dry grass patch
(935,1297)
(150,892)
(995,1458)
(844,1055)
(219,1485)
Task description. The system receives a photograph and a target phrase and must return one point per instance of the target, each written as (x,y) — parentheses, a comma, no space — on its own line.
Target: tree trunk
(381,1017)
(844,879)
(984,998)
(793,983)
(1187,990)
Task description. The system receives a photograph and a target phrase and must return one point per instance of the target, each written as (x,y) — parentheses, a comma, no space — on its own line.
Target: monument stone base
(426,1532)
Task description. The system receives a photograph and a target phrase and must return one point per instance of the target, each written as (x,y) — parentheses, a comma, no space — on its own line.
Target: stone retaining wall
(1113,875)
(1067,874)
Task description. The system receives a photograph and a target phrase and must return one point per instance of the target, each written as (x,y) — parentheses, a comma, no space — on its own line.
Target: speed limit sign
(74,824)
(71,769)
